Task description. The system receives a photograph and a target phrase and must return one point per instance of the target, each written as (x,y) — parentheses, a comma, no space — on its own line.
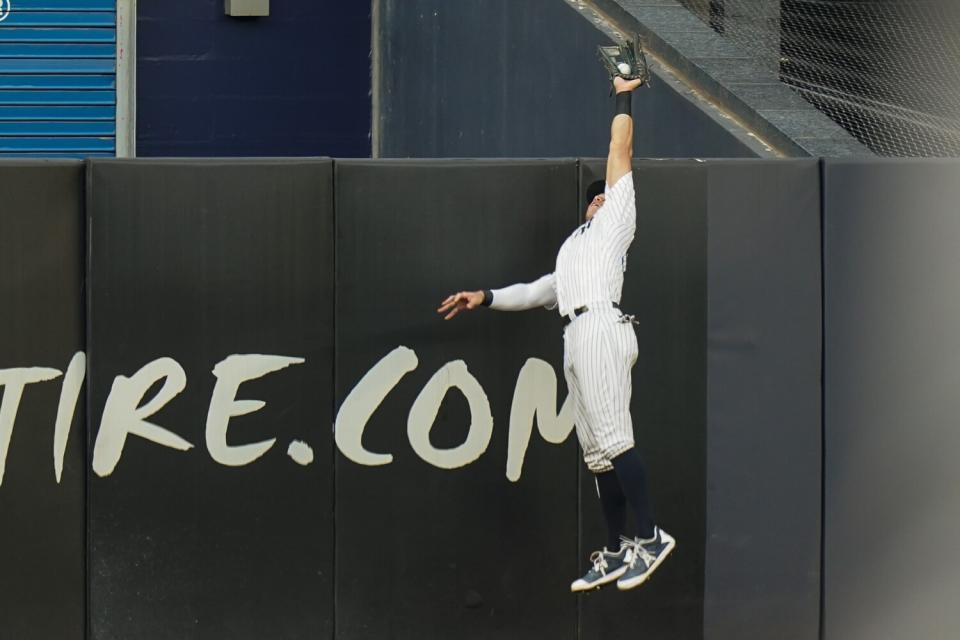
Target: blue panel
(57,129)
(57,66)
(52,154)
(57,97)
(65,5)
(18,18)
(26,34)
(57,113)
(58,51)
(51,103)
(56,144)
(57,82)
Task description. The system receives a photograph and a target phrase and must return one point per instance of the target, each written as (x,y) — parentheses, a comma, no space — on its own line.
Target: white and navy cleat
(646,557)
(606,566)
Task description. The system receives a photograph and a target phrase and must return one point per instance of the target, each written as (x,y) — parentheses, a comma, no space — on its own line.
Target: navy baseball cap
(595,189)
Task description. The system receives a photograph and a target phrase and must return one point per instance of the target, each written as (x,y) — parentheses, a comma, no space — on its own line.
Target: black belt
(579,311)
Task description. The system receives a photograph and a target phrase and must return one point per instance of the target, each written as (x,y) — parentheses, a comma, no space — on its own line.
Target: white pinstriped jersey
(591,263)
(600,347)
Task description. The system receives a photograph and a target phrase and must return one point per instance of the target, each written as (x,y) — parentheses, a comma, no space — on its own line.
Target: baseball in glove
(626,61)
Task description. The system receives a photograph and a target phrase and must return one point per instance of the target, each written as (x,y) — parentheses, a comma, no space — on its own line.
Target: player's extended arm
(621,132)
(517,297)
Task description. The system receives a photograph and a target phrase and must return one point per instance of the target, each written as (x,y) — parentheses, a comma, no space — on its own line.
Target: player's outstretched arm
(457,302)
(517,297)
(621,132)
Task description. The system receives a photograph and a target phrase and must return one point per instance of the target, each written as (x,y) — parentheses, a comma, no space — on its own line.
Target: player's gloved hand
(457,302)
(626,60)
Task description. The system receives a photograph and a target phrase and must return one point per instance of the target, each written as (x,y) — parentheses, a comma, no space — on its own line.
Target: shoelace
(639,551)
(599,562)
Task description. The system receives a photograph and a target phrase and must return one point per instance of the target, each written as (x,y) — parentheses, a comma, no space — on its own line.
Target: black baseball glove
(631,55)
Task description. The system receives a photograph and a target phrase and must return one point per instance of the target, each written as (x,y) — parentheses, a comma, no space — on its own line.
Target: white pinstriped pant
(599,353)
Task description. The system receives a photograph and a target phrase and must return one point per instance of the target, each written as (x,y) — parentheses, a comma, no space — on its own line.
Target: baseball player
(600,349)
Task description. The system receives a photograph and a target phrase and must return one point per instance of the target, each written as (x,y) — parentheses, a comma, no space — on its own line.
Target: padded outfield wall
(397,482)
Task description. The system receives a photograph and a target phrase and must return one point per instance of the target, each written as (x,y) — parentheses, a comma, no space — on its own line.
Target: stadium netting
(888,71)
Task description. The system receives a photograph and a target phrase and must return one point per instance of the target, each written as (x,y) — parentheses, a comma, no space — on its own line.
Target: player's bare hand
(620,84)
(457,302)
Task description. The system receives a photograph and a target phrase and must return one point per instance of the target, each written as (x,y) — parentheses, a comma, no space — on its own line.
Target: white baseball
(624,67)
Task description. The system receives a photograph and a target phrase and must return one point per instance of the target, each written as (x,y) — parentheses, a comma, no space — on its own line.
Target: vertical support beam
(126,78)
(375,74)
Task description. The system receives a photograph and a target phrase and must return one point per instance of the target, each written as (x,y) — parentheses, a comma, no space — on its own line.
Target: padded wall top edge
(214,161)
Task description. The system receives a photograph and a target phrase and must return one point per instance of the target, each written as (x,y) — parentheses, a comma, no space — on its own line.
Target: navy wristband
(624,103)
(487,297)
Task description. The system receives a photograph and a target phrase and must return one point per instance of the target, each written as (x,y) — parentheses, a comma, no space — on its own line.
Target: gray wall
(500,78)
(763,400)
(892,512)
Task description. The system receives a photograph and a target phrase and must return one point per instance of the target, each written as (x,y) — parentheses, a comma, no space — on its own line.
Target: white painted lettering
(69,394)
(423,413)
(13,382)
(300,452)
(123,414)
(231,373)
(534,400)
(535,395)
(364,399)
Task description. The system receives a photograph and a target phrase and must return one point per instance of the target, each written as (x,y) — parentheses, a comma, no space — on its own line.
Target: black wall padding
(665,286)
(304,281)
(892,517)
(763,400)
(41,326)
(425,552)
(197,261)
